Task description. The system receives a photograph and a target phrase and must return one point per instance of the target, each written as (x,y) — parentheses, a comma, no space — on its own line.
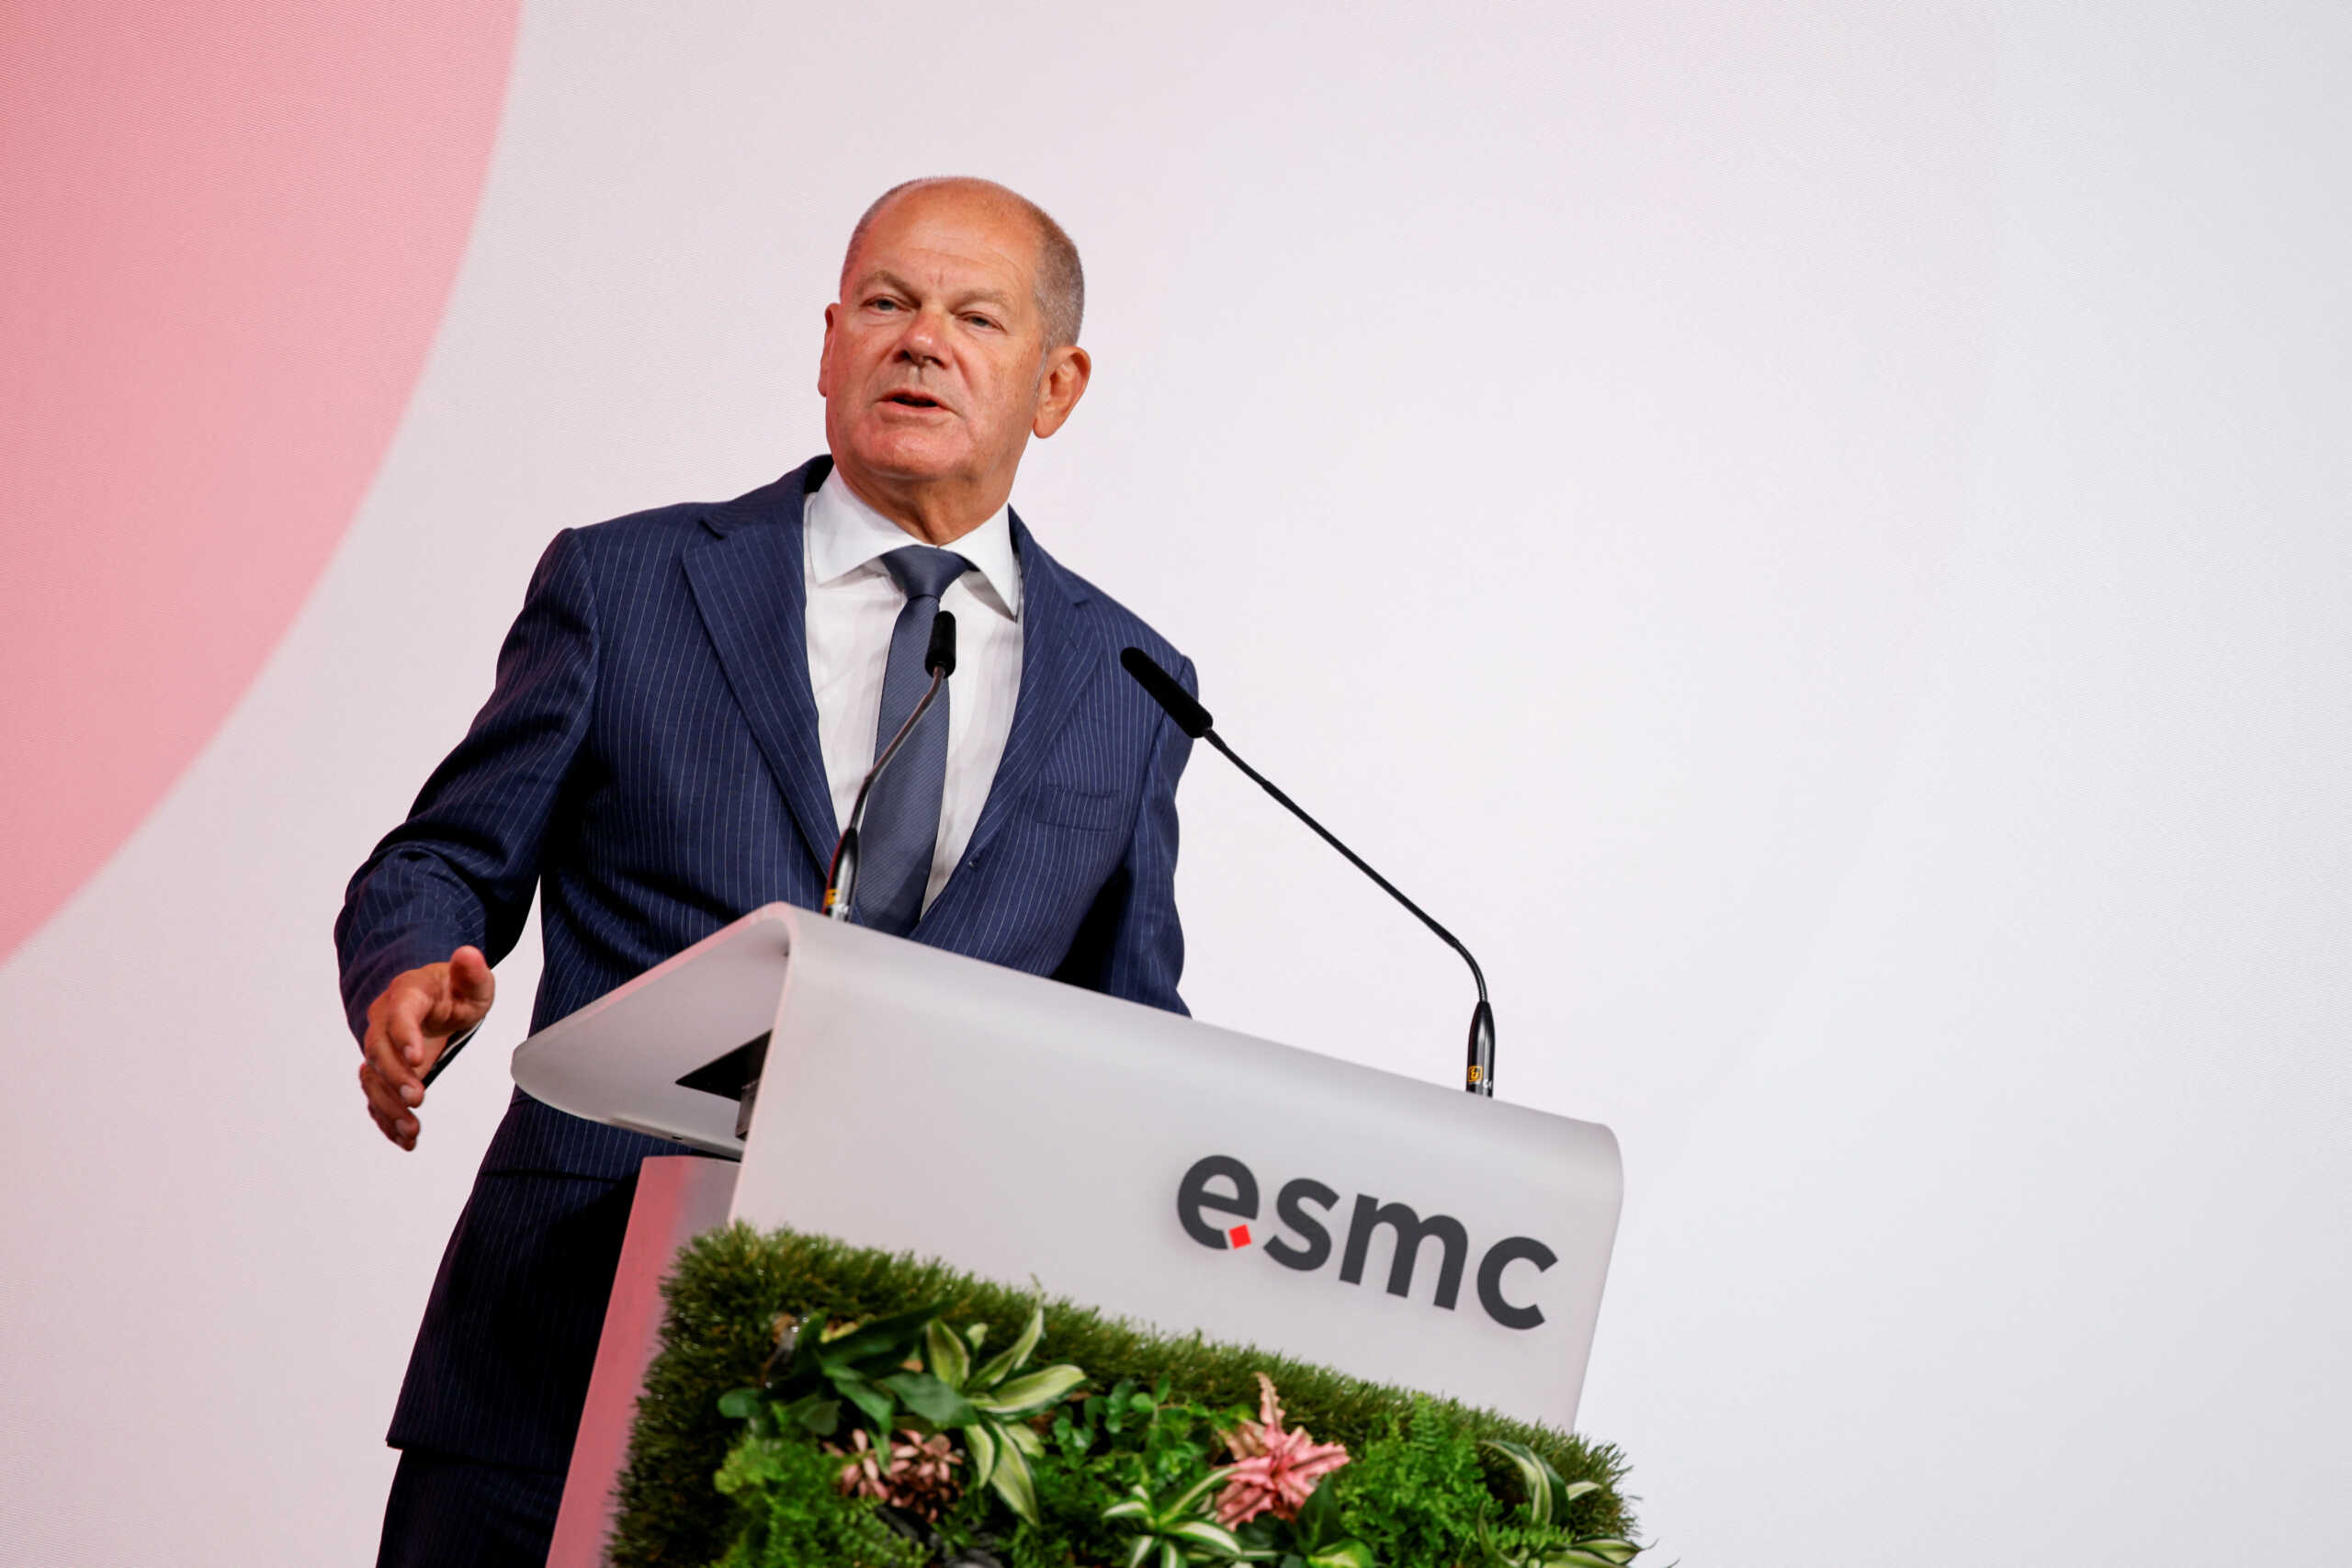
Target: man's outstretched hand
(408,1028)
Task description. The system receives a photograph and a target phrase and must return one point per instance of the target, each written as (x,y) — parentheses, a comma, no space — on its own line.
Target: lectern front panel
(1181,1174)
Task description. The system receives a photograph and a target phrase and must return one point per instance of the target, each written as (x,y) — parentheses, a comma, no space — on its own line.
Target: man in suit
(682,715)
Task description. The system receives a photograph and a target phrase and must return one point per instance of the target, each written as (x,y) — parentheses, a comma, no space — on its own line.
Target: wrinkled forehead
(936,228)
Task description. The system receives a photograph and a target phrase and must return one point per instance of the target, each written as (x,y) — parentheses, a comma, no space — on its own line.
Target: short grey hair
(1061,281)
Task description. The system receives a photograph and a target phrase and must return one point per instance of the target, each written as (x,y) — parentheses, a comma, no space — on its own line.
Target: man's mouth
(913,400)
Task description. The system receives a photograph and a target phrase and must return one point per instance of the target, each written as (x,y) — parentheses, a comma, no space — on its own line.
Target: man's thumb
(469,979)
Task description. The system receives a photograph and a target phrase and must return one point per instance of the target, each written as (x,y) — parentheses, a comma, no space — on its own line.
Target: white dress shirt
(854,602)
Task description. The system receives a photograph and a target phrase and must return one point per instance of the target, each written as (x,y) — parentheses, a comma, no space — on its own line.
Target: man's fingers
(391,1129)
(386,1057)
(380,1095)
(408,1028)
(384,1054)
(393,1118)
(405,1008)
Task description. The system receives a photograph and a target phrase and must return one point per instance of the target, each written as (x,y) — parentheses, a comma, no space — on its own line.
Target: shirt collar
(844,534)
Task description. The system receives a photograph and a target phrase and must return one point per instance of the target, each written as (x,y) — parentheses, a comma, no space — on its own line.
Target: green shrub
(1413,1493)
(1095,1449)
(730,1285)
(788,1514)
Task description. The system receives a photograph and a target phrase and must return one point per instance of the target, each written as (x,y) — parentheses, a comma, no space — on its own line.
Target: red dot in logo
(1238,1236)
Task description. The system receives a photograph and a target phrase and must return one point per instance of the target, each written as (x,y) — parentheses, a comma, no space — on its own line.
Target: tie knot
(924,572)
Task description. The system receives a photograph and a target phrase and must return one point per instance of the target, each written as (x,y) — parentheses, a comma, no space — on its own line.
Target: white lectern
(1138,1162)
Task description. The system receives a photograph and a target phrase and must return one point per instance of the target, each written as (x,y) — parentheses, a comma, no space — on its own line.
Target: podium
(1141,1163)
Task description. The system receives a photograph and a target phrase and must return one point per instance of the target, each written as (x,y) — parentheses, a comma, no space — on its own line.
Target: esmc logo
(1220,1184)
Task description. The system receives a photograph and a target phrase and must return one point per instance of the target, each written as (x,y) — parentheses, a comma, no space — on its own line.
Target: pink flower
(917,1473)
(1276,1470)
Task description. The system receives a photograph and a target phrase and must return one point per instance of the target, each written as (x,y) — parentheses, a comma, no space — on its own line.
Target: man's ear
(1066,370)
(825,357)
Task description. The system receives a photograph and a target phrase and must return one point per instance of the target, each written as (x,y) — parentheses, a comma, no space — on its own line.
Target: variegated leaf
(1593,1554)
(1027,1395)
(950,1362)
(1192,1497)
(1540,1480)
(1015,1356)
(1206,1534)
(1013,1483)
(982,1442)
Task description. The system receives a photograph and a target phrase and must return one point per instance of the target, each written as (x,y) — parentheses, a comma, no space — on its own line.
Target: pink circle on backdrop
(230,230)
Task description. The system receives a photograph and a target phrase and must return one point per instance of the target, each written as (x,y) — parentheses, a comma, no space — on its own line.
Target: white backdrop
(1816,537)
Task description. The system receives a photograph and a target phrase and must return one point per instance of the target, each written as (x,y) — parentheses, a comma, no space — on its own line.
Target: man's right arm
(459,874)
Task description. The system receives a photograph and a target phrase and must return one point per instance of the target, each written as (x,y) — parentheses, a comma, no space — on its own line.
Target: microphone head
(1190,717)
(939,659)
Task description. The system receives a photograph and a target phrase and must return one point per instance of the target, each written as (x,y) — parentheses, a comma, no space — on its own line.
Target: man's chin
(912,455)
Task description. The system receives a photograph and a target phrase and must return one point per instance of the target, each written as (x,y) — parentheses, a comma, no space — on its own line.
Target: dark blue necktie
(901,828)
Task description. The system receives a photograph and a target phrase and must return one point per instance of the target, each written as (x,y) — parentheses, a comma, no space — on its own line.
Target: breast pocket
(1065,808)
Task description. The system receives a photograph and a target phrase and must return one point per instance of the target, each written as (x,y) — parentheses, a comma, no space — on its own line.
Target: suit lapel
(1059,654)
(749,587)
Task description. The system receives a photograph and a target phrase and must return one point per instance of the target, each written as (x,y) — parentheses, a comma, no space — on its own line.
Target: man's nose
(924,341)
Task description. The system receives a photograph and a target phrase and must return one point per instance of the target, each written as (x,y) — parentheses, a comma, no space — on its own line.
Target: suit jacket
(649,763)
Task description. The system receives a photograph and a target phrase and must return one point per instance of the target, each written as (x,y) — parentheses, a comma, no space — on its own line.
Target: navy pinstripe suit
(649,762)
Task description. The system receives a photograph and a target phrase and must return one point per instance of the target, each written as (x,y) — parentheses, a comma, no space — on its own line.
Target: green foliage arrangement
(788,1509)
(1104,1452)
(1000,1396)
(804,1383)
(1417,1491)
(1534,1539)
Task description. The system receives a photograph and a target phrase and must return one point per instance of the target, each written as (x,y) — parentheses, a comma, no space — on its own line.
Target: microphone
(939,660)
(939,657)
(1194,719)
(1189,715)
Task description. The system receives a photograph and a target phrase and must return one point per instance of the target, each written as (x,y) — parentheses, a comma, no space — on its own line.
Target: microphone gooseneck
(840,876)
(1194,719)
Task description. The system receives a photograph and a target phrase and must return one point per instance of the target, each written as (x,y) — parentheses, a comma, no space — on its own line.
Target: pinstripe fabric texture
(648,762)
(456,1513)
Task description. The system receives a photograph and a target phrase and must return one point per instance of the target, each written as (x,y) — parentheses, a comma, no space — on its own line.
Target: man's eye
(981,321)
(881,304)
